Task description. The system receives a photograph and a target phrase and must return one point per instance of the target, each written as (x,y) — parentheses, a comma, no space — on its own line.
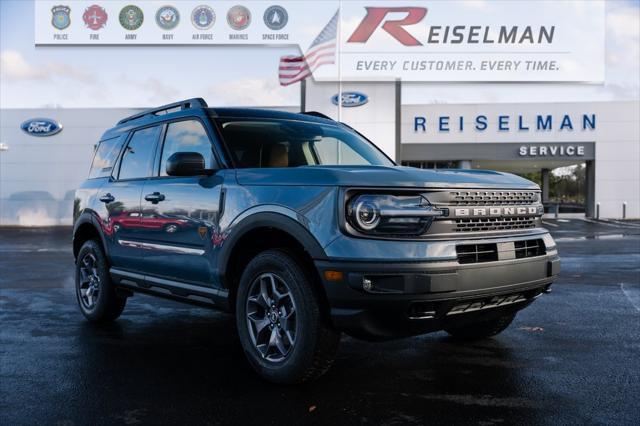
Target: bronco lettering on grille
(496,211)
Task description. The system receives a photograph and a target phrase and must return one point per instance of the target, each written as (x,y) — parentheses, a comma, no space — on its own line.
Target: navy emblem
(350,99)
(61,17)
(41,127)
(203,17)
(167,17)
(239,17)
(131,17)
(276,17)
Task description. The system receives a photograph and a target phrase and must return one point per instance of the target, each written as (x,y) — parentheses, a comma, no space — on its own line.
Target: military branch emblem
(239,18)
(131,17)
(167,17)
(95,17)
(203,17)
(61,17)
(276,17)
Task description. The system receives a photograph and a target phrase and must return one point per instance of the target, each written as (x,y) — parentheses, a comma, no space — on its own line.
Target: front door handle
(155,198)
(107,198)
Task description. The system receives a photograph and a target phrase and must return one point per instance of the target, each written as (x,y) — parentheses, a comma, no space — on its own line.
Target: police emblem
(239,17)
(61,17)
(167,17)
(203,17)
(131,17)
(95,17)
(276,17)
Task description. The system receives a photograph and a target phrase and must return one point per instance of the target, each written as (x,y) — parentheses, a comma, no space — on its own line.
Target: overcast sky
(143,76)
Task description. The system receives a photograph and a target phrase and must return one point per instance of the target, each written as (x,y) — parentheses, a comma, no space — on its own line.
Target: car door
(121,196)
(180,214)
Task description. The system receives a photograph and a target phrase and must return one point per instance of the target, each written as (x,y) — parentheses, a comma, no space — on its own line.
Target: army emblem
(239,17)
(131,17)
(95,17)
(167,17)
(203,17)
(61,17)
(276,17)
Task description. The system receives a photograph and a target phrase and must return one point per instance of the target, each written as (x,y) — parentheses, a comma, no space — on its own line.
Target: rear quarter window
(105,157)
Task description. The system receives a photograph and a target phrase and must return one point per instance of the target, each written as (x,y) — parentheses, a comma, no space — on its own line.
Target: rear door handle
(107,198)
(155,198)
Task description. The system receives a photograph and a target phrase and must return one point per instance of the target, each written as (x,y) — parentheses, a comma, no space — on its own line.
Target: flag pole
(339,60)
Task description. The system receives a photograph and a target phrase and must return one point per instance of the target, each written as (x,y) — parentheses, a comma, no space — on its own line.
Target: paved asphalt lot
(572,357)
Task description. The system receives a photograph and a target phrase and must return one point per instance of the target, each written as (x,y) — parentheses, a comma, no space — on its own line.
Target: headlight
(382,214)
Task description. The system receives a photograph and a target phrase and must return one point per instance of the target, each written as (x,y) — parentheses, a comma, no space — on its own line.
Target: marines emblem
(167,17)
(61,17)
(131,17)
(239,18)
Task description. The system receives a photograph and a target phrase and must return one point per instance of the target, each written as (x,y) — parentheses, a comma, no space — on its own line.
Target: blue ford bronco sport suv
(303,229)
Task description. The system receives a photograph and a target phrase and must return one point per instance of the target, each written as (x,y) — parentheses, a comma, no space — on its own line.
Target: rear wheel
(482,330)
(95,292)
(281,327)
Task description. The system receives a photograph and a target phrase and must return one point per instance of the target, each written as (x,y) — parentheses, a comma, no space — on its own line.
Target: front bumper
(409,298)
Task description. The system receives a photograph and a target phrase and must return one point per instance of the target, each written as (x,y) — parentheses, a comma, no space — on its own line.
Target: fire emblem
(95,17)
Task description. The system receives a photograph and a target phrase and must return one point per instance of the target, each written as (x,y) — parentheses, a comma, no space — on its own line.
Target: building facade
(38,174)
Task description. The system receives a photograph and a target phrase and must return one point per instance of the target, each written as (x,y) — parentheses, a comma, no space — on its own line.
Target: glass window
(186,136)
(288,143)
(105,157)
(137,159)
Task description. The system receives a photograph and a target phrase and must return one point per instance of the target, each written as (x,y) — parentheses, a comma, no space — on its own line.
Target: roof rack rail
(186,104)
(317,114)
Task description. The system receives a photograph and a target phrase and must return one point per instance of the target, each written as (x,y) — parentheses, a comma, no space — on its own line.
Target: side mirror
(186,164)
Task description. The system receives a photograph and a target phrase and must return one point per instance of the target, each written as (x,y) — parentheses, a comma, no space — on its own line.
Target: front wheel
(482,330)
(95,292)
(281,327)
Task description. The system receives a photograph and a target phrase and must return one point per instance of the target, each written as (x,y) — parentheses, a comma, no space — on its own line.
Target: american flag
(322,51)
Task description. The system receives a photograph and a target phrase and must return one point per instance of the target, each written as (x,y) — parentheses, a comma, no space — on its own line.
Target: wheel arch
(258,232)
(86,228)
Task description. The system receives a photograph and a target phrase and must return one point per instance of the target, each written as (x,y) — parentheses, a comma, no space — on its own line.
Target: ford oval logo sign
(351,99)
(41,127)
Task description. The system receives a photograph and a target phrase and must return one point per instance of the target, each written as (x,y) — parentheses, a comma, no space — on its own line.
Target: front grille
(492,198)
(480,253)
(494,224)
(529,248)
(477,253)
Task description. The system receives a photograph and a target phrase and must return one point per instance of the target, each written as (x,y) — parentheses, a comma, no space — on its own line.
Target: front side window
(186,136)
(288,143)
(105,157)
(137,160)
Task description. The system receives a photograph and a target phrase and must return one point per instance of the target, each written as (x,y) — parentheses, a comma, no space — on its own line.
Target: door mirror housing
(187,164)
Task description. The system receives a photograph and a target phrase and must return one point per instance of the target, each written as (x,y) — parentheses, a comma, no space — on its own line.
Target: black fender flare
(89,218)
(277,221)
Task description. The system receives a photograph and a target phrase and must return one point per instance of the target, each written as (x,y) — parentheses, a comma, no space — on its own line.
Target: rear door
(121,197)
(180,214)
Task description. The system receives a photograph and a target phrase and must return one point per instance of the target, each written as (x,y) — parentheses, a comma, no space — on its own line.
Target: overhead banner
(457,41)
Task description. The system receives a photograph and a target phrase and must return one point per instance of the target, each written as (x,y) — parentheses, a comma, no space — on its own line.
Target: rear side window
(137,160)
(105,157)
(186,136)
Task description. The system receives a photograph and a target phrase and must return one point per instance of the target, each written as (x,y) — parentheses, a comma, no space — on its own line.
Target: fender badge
(202,231)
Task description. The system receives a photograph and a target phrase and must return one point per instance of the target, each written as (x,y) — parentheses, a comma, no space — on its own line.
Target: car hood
(381,176)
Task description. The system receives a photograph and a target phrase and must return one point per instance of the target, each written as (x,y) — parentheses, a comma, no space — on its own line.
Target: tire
(304,345)
(92,276)
(482,330)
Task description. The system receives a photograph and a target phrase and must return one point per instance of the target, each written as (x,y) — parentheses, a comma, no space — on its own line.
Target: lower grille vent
(529,248)
(476,253)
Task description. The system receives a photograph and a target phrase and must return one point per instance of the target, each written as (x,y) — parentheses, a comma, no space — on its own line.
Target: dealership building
(38,174)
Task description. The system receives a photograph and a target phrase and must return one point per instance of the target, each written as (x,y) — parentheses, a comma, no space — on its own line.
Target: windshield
(258,142)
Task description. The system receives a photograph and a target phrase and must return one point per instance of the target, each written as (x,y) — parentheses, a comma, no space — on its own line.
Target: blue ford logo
(351,99)
(41,127)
